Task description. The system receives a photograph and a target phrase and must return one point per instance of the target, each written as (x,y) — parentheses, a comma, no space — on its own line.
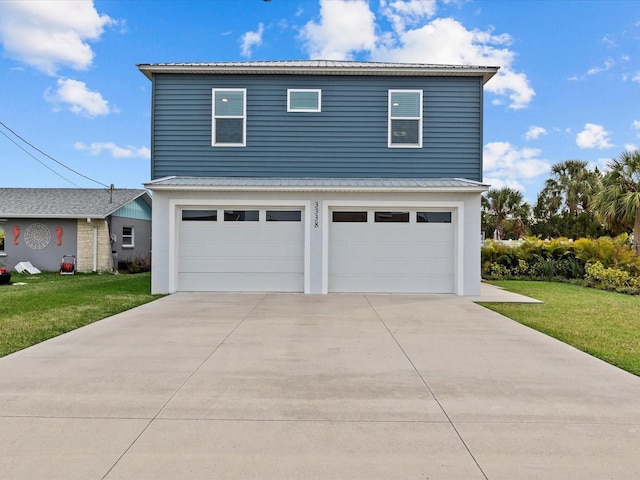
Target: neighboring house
(316,176)
(97,226)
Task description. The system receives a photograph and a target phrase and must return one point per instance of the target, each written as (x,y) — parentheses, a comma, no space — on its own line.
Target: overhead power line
(49,157)
(37,159)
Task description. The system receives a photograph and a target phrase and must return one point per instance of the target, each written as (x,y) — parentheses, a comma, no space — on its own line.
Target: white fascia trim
(458,219)
(177,204)
(248,188)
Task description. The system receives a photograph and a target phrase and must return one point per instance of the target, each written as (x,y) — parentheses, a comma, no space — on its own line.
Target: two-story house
(316,176)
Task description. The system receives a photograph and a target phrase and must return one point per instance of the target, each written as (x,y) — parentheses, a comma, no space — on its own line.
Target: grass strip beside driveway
(49,304)
(603,324)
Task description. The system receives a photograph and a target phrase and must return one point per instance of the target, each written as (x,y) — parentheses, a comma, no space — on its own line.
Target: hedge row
(606,263)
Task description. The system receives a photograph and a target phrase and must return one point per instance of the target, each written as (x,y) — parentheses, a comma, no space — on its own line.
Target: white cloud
(97,148)
(499,183)
(250,40)
(48,35)
(593,136)
(79,99)
(447,41)
(636,77)
(345,27)
(607,66)
(402,13)
(534,132)
(630,147)
(636,126)
(506,165)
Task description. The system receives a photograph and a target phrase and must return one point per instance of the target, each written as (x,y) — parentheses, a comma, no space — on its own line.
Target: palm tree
(570,188)
(618,203)
(503,203)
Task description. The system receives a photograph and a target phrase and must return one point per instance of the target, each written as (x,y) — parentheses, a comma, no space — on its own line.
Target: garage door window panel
(284,216)
(199,215)
(349,217)
(391,217)
(433,217)
(241,215)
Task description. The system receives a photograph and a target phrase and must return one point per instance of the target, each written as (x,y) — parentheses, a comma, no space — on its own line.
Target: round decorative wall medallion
(37,236)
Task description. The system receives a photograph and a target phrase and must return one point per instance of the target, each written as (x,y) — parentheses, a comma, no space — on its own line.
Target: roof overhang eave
(334,188)
(54,216)
(432,71)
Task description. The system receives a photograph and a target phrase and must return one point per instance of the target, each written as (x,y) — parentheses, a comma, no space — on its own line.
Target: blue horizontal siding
(138,209)
(348,138)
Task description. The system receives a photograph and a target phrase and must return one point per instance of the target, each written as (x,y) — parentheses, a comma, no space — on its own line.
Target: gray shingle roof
(64,202)
(320,67)
(316,184)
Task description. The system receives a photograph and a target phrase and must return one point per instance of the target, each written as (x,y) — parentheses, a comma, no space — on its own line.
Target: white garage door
(408,251)
(241,250)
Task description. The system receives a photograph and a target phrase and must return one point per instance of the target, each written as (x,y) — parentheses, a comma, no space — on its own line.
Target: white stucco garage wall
(316,205)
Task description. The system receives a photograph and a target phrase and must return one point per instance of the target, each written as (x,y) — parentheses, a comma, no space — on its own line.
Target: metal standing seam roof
(316,184)
(320,67)
(65,202)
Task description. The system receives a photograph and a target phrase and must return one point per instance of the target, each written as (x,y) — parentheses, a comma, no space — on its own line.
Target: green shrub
(135,265)
(566,260)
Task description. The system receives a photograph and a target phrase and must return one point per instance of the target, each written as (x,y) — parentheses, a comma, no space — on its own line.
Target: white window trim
(316,90)
(243,117)
(389,134)
(133,237)
(3,250)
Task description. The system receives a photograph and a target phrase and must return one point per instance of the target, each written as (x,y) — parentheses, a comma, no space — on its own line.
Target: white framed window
(128,237)
(2,235)
(304,100)
(229,117)
(405,118)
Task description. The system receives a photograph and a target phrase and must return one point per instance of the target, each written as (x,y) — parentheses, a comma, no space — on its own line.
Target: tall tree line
(575,202)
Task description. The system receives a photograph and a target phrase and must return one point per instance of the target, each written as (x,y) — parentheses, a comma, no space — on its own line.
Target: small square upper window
(304,100)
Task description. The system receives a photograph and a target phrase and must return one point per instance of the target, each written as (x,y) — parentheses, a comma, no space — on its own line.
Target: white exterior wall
(316,205)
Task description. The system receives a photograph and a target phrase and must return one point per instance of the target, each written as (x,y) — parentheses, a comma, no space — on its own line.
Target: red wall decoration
(59,236)
(16,235)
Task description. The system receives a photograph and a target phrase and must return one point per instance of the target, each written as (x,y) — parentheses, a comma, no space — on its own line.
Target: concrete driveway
(275,386)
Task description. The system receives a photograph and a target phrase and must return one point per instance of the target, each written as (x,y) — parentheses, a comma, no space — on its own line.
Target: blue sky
(568,87)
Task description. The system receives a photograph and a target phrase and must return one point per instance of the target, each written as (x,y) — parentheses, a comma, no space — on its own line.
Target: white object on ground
(26,267)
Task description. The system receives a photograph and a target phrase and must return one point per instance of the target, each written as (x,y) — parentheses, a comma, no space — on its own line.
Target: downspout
(95,244)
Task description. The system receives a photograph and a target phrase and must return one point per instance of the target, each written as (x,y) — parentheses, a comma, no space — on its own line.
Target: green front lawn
(50,304)
(603,324)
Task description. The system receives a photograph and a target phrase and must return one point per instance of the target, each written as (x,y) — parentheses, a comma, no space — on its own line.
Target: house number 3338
(316,214)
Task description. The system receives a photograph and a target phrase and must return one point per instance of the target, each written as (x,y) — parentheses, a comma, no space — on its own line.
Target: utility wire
(50,157)
(37,160)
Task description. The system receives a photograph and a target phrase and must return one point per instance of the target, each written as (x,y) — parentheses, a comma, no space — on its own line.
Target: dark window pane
(229,103)
(402,217)
(350,217)
(304,101)
(229,130)
(434,217)
(405,104)
(200,215)
(404,132)
(241,215)
(284,215)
